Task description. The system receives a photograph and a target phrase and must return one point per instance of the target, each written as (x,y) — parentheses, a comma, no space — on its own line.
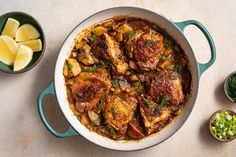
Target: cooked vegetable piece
(119,37)
(79,44)
(125,28)
(73,66)
(99,30)
(86,58)
(165,64)
(94,117)
(66,70)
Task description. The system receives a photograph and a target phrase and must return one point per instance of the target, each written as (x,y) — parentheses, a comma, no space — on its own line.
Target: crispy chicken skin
(145,49)
(107,48)
(151,114)
(119,112)
(87,88)
(167,84)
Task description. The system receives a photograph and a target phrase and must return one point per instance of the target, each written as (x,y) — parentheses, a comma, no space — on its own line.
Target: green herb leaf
(99,106)
(70,66)
(113,111)
(162,58)
(149,43)
(112,132)
(232,87)
(138,87)
(146,103)
(115,83)
(92,37)
(92,69)
(178,68)
(130,34)
(163,102)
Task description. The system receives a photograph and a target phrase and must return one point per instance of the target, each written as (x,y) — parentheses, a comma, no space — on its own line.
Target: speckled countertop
(23,135)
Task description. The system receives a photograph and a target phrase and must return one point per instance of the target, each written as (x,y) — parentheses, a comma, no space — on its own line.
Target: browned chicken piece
(167,84)
(88,88)
(107,48)
(118,112)
(145,49)
(152,114)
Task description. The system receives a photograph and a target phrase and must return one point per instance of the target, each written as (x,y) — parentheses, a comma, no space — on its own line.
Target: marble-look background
(23,135)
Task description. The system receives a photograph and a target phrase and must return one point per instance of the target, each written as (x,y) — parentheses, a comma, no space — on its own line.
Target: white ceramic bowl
(58,87)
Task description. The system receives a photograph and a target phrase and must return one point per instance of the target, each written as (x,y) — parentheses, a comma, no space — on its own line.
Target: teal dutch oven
(58,89)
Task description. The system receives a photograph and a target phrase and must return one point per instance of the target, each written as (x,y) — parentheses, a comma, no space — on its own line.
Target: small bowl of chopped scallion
(222,125)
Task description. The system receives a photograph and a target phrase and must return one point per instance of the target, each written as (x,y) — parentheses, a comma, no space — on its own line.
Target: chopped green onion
(163,102)
(146,103)
(162,58)
(130,34)
(112,132)
(113,111)
(92,69)
(149,43)
(138,87)
(92,37)
(178,68)
(70,66)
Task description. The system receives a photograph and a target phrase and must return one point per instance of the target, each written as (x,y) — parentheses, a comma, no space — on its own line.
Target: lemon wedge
(23,58)
(27,32)
(11,27)
(8,50)
(35,45)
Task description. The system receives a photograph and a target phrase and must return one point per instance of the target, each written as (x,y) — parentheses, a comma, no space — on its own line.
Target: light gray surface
(23,135)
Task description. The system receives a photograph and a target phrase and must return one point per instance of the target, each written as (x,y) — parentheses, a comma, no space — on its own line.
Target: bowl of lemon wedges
(22,42)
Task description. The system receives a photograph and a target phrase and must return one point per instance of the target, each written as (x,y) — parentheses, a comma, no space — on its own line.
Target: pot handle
(201,67)
(50,91)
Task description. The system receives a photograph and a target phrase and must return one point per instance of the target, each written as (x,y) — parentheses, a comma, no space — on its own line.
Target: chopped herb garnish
(70,66)
(163,102)
(92,37)
(138,87)
(162,58)
(92,69)
(149,43)
(231,83)
(178,68)
(113,111)
(136,112)
(112,132)
(146,103)
(130,34)
(99,106)
(115,83)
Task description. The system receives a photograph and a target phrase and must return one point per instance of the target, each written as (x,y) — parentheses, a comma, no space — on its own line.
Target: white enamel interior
(61,91)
